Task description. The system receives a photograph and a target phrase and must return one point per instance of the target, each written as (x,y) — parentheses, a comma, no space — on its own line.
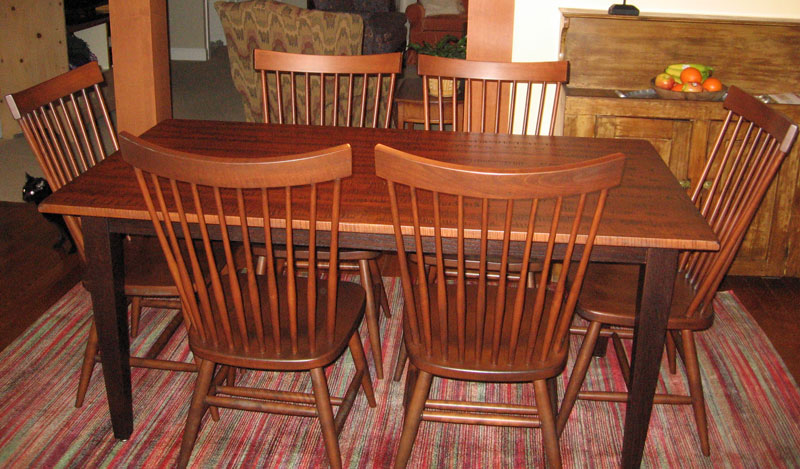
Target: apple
(692,88)
(665,81)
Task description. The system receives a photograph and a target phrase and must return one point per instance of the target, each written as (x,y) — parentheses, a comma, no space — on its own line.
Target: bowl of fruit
(690,82)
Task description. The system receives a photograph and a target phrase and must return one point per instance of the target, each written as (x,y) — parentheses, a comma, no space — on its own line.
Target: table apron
(386,242)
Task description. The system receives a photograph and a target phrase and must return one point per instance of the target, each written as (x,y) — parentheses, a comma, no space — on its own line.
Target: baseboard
(188,53)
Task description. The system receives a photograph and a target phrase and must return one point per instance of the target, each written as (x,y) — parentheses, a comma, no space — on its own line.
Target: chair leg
(360,360)
(671,359)
(372,317)
(261,265)
(600,347)
(411,381)
(622,359)
(377,280)
(696,389)
(582,362)
(413,418)
(548,424)
(136,312)
(196,411)
(401,362)
(217,380)
(88,365)
(325,413)
(552,390)
(231,376)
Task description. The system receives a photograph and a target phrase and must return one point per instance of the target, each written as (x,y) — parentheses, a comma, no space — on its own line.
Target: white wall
(401,5)
(215,32)
(188,38)
(537,24)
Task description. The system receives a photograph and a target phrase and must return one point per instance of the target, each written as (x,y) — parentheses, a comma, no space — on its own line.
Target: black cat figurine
(35,191)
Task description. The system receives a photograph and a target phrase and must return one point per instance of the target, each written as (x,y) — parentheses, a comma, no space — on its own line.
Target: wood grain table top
(649,209)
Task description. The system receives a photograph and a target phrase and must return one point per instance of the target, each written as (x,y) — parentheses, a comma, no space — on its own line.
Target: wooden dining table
(648,220)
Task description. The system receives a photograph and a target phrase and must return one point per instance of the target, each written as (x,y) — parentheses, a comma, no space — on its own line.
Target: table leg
(105,281)
(648,345)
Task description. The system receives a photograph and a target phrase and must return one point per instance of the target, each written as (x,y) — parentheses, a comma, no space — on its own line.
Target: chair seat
(480,367)
(146,271)
(349,313)
(610,292)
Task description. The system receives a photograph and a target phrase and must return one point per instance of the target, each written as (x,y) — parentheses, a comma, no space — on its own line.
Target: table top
(649,208)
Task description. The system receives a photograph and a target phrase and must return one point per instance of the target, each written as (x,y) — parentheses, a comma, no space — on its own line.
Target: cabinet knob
(687,184)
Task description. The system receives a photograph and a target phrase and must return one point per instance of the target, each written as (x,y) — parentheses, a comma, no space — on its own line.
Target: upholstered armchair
(384,28)
(266,24)
(431,20)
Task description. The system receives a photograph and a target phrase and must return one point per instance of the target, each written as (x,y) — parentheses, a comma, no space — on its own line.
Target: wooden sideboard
(609,53)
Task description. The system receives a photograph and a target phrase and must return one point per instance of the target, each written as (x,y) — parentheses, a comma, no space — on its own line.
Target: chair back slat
(272,289)
(441,209)
(483,85)
(67,125)
(747,153)
(343,91)
(229,307)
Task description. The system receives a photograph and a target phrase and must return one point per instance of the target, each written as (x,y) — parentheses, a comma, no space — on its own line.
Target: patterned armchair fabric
(265,24)
(384,28)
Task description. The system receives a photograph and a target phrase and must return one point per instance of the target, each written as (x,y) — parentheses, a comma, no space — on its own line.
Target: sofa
(431,20)
(384,28)
(267,24)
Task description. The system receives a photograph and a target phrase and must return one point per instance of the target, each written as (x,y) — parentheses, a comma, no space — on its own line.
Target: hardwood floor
(775,304)
(34,276)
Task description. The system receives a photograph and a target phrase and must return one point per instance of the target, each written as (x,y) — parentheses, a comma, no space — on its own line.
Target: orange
(712,84)
(691,75)
(677,87)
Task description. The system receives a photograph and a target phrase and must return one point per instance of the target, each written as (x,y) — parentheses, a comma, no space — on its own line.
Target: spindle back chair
(532,89)
(235,317)
(67,125)
(753,141)
(358,91)
(486,330)
(65,121)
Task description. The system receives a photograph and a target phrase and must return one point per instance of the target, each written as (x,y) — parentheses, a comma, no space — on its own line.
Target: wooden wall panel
(490,36)
(140,63)
(32,49)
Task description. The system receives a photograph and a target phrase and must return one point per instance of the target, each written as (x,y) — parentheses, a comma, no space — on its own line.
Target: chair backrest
(357,91)
(486,85)
(442,208)
(222,300)
(67,125)
(751,145)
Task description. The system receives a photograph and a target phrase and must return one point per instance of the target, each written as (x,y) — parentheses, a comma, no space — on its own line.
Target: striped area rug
(754,410)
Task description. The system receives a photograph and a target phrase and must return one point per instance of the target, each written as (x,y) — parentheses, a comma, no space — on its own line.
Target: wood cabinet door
(670,137)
